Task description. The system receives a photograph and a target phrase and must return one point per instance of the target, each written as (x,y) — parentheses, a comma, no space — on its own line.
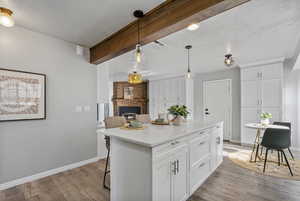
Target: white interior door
(217,104)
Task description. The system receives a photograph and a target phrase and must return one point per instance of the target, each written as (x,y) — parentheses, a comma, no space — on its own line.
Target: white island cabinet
(163,163)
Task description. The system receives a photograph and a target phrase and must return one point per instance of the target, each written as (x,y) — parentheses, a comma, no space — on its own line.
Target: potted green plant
(178,112)
(265,118)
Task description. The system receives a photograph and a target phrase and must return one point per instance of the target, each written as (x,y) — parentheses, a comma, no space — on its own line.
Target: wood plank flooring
(228,183)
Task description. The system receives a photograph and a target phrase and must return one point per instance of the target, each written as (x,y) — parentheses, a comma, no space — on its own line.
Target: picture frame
(128,92)
(22,95)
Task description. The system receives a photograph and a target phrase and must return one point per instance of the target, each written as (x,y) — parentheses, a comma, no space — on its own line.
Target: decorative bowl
(136,124)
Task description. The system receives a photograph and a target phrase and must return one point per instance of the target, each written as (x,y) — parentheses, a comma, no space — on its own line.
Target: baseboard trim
(235,142)
(46,173)
(295,149)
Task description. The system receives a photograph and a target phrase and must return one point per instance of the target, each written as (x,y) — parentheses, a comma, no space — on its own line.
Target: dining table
(259,128)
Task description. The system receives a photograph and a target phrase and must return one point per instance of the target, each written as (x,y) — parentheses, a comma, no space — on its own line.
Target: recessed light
(193,27)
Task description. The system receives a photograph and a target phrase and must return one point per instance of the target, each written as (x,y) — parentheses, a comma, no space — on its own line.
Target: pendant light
(134,76)
(229,61)
(6,18)
(188,75)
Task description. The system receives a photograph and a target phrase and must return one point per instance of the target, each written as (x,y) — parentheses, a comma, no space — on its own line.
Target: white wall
(291,102)
(66,136)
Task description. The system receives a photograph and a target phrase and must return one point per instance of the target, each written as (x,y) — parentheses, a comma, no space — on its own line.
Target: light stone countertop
(154,135)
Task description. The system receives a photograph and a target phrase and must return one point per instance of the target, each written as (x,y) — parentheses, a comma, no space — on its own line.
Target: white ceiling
(256,31)
(84,22)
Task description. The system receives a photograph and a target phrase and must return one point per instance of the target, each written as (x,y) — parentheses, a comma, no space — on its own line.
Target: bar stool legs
(106,171)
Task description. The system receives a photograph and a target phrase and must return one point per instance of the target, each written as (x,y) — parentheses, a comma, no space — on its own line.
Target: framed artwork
(128,92)
(22,95)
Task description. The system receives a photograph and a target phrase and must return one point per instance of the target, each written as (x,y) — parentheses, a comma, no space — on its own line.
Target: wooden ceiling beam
(165,19)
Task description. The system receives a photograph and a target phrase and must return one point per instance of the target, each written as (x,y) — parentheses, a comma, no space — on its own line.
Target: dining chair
(279,140)
(287,124)
(144,118)
(110,122)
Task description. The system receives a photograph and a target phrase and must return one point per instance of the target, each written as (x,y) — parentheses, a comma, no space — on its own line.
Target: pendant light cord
(139,31)
(189,70)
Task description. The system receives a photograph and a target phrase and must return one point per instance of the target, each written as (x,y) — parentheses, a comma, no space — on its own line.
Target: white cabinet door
(249,115)
(250,93)
(271,93)
(272,71)
(251,74)
(171,176)
(163,180)
(180,182)
(219,147)
(216,148)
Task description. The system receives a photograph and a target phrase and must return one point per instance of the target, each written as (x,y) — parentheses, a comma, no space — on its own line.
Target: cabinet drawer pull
(201,165)
(202,132)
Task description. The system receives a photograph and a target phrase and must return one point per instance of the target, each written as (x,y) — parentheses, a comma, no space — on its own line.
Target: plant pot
(177,121)
(265,121)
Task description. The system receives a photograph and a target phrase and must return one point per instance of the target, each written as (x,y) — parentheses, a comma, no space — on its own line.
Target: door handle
(177,162)
(201,165)
(174,167)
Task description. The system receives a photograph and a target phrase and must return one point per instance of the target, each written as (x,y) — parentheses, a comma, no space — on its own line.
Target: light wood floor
(228,183)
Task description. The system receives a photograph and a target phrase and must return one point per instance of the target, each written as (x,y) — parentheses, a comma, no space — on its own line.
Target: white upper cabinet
(272,71)
(251,74)
(165,93)
(264,89)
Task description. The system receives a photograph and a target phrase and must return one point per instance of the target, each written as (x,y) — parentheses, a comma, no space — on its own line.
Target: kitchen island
(163,163)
